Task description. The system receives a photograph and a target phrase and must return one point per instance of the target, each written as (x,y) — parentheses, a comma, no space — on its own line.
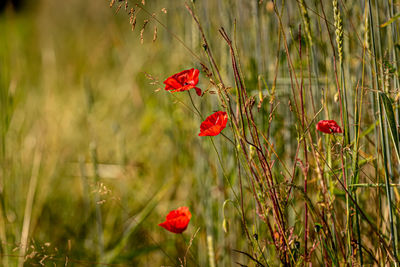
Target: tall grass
(270,190)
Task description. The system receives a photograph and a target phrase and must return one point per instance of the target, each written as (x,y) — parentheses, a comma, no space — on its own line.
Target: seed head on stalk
(338,28)
(306,19)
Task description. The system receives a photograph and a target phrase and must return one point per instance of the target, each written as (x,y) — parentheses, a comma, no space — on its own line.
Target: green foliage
(94,153)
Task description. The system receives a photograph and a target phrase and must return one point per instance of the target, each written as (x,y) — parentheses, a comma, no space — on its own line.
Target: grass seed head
(338,28)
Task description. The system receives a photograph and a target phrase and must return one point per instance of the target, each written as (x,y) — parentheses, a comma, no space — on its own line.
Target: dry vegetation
(94,152)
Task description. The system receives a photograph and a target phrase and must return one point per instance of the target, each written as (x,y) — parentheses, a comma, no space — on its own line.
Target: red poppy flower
(213,124)
(183,81)
(328,126)
(177,220)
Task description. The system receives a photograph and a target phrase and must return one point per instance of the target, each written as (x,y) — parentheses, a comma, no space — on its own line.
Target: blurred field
(73,77)
(93,155)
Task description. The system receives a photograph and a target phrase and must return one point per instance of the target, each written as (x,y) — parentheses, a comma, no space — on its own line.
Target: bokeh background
(93,156)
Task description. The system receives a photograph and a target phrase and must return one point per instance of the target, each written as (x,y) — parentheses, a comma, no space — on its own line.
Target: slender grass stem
(194,106)
(99,217)
(383,138)
(29,206)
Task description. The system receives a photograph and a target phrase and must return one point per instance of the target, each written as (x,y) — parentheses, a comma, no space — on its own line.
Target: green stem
(99,221)
(383,138)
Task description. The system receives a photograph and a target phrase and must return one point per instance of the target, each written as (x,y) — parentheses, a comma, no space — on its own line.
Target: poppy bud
(225,225)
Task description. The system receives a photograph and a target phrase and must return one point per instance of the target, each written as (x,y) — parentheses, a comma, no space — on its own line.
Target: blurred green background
(92,157)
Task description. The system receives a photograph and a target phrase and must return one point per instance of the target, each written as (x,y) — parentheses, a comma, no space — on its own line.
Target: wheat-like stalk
(367,34)
(306,19)
(338,28)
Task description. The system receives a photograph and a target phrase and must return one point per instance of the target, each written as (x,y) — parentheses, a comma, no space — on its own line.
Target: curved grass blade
(387,103)
(390,21)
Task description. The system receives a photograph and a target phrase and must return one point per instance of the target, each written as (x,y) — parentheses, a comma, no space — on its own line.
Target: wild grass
(93,154)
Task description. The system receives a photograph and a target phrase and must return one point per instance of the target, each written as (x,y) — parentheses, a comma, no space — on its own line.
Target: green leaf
(387,103)
(391,20)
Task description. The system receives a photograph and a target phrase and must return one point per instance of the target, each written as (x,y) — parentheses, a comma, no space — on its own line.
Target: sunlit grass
(94,154)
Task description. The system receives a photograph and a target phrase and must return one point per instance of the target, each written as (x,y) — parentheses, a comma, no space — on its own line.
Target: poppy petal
(177,220)
(198,91)
(328,127)
(183,81)
(172,83)
(214,124)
